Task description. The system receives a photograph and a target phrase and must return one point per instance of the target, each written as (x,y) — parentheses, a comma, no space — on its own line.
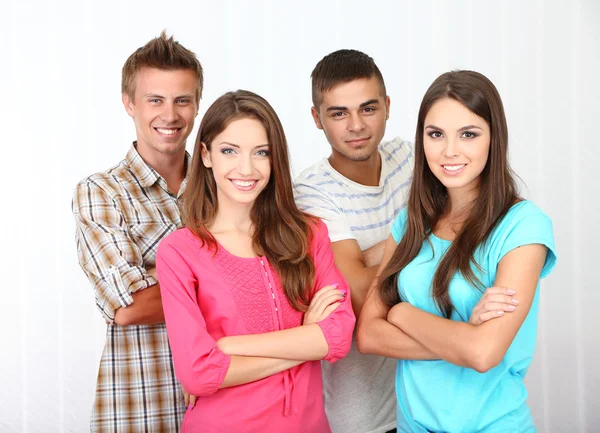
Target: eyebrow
(237,146)
(154,95)
(364,104)
(464,128)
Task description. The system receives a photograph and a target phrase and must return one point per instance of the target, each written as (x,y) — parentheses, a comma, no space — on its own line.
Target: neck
(461,199)
(232,217)
(365,172)
(171,167)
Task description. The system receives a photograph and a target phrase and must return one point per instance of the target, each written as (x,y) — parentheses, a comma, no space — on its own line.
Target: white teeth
(166,131)
(453,167)
(244,182)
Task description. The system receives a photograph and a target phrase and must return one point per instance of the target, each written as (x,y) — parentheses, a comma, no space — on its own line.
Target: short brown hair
(342,66)
(160,53)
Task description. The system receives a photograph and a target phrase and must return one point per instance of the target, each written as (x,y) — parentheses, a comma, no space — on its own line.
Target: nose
(246,165)
(450,148)
(169,113)
(355,123)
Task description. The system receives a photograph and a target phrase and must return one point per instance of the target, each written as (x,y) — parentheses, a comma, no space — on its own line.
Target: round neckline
(229,253)
(446,241)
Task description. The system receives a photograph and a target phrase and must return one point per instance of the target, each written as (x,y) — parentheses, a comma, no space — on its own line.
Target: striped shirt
(120,216)
(359,389)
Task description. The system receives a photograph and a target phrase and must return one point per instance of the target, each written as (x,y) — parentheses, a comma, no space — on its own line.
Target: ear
(315,115)
(206,156)
(128,104)
(387,107)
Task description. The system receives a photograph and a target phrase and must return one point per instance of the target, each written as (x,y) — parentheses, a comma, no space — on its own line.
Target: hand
(152,272)
(374,255)
(190,400)
(494,303)
(323,303)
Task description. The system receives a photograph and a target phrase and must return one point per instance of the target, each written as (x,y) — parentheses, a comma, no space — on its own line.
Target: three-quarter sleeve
(339,325)
(107,254)
(199,365)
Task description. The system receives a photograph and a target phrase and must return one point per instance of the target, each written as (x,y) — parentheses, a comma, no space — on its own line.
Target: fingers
(192,402)
(186,398)
(482,318)
(500,290)
(330,309)
(323,291)
(327,299)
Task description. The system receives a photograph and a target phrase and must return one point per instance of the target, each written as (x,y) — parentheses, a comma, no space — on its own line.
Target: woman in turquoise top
(465,228)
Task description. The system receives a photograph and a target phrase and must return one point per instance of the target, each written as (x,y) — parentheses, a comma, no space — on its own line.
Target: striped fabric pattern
(121,215)
(352,210)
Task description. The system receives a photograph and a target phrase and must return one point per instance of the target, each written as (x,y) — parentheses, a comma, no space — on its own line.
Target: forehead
(352,93)
(243,132)
(165,83)
(451,114)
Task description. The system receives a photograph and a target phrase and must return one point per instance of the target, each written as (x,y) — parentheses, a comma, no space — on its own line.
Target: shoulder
(399,224)
(181,241)
(314,174)
(109,182)
(397,149)
(524,213)
(524,224)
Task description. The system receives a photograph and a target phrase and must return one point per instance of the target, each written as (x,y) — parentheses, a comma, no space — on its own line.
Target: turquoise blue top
(443,397)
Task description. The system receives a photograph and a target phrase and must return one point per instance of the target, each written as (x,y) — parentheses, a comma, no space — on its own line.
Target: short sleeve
(399,225)
(529,227)
(107,254)
(311,200)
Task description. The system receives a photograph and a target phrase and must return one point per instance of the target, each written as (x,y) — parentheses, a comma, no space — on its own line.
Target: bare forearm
(380,337)
(360,280)
(455,342)
(305,342)
(246,369)
(145,310)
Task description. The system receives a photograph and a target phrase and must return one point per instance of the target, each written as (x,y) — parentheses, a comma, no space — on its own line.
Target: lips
(453,169)
(167,132)
(244,184)
(358,141)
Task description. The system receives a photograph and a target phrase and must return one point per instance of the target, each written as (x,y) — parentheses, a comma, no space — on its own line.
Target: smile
(167,131)
(453,169)
(244,185)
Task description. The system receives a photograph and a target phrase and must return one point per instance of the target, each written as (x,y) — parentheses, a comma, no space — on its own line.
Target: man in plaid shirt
(121,215)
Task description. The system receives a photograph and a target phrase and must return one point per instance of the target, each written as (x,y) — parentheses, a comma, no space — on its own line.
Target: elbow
(363,339)
(484,358)
(122,317)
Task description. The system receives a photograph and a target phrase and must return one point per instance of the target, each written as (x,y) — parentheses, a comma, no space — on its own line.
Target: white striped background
(61,119)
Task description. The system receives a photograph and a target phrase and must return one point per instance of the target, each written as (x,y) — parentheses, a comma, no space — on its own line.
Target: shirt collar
(146,175)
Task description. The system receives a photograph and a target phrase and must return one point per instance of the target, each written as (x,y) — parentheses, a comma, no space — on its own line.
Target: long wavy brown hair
(281,232)
(428,199)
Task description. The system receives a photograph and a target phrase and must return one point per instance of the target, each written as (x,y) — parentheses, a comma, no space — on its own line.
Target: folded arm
(479,347)
(378,336)
(126,293)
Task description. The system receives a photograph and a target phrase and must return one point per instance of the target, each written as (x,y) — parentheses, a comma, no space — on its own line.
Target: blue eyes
(230,151)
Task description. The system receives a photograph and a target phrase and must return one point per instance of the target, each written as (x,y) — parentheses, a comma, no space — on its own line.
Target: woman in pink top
(251,296)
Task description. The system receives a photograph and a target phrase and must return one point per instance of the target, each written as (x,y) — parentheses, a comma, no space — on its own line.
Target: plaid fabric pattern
(121,215)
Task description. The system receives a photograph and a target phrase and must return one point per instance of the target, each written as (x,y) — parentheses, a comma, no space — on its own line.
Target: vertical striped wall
(62,119)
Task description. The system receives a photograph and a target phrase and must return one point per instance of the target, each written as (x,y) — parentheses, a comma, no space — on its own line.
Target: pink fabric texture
(207,296)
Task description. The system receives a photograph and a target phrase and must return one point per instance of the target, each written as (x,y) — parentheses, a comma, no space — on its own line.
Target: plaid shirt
(121,215)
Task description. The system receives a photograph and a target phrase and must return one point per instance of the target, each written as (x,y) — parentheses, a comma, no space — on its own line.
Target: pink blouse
(207,296)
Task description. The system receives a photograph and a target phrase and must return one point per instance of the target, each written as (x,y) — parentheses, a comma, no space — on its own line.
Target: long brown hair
(428,198)
(281,230)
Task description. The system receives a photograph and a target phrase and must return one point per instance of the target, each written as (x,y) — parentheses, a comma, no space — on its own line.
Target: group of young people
(390,287)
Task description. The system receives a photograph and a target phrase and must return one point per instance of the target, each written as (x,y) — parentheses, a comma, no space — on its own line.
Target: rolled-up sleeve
(107,254)
(199,365)
(339,325)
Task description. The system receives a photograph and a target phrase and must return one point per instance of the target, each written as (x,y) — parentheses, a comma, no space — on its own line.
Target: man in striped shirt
(357,192)
(121,215)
